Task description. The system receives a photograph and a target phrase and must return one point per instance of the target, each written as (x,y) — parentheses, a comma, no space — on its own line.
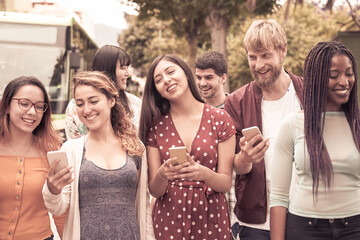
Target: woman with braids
(324,143)
(100,184)
(114,62)
(26,134)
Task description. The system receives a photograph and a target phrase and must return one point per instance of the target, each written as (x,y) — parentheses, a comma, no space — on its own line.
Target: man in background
(211,75)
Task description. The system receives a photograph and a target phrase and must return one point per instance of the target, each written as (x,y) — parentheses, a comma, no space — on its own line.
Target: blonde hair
(264,35)
(123,128)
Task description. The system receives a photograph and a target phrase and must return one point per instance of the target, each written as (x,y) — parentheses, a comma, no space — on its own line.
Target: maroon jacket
(244,107)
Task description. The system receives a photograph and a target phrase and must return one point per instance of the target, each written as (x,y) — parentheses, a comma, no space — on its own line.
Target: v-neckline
(197,132)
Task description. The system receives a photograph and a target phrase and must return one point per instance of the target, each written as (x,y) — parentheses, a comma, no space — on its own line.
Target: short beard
(207,96)
(267,83)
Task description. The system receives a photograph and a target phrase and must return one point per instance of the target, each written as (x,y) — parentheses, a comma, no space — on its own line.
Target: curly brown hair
(123,128)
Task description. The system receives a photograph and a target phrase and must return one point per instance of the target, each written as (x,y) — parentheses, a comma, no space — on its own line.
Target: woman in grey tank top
(104,166)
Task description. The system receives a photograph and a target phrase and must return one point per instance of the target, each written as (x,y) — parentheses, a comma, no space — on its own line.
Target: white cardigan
(57,204)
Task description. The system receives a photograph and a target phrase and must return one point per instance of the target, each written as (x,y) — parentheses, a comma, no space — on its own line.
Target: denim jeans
(50,238)
(247,233)
(299,228)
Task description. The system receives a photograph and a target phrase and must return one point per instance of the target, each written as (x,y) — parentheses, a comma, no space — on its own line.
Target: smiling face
(209,83)
(122,74)
(341,82)
(93,107)
(170,80)
(266,65)
(25,121)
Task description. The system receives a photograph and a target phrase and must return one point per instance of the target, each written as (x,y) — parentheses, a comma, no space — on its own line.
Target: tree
(329,5)
(354,15)
(312,26)
(144,40)
(187,19)
(222,12)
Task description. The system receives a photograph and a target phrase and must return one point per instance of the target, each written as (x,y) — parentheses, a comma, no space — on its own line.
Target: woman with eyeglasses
(26,134)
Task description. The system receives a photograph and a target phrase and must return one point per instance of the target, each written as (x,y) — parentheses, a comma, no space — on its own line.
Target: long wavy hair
(123,128)
(105,60)
(153,104)
(316,81)
(46,137)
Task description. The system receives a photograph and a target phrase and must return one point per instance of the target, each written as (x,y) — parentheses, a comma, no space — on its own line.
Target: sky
(111,13)
(108,12)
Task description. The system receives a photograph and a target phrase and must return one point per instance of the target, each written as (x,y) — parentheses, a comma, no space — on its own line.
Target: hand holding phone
(180,153)
(250,132)
(52,156)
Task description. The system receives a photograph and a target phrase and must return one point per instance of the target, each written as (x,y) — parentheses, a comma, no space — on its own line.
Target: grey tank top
(107,201)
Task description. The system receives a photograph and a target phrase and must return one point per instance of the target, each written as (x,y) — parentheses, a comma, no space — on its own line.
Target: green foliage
(305,28)
(145,40)
(161,31)
(264,7)
(187,18)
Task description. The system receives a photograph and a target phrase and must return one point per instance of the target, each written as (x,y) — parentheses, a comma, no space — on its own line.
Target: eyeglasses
(26,104)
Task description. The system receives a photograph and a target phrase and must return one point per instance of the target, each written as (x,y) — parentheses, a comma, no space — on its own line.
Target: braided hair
(316,81)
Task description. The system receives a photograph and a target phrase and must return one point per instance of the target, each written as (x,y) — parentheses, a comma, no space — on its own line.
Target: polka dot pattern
(190,209)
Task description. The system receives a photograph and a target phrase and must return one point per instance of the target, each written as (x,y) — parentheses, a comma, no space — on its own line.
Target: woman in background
(26,134)
(324,143)
(114,62)
(190,196)
(103,178)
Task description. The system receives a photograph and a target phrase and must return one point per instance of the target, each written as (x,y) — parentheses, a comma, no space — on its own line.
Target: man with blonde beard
(273,94)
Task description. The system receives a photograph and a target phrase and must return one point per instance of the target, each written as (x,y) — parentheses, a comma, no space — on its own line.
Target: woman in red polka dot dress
(190,196)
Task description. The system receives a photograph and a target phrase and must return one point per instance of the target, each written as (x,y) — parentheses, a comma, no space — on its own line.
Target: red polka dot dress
(191,209)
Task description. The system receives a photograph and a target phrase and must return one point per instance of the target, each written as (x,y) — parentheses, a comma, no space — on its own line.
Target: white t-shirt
(342,198)
(273,112)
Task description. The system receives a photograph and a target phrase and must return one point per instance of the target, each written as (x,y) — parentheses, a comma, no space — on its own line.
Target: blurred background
(52,39)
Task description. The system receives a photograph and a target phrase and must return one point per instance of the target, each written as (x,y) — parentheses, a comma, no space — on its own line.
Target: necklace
(20,155)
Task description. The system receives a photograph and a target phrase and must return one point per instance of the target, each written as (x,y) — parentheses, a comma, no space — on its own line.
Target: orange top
(23,214)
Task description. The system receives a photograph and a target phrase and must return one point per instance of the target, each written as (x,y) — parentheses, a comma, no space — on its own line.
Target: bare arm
(57,189)
(219,181)
(250,154)
(277,223)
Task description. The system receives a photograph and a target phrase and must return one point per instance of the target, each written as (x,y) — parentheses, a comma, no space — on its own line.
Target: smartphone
(250,132)
(54,155)
(180,153)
